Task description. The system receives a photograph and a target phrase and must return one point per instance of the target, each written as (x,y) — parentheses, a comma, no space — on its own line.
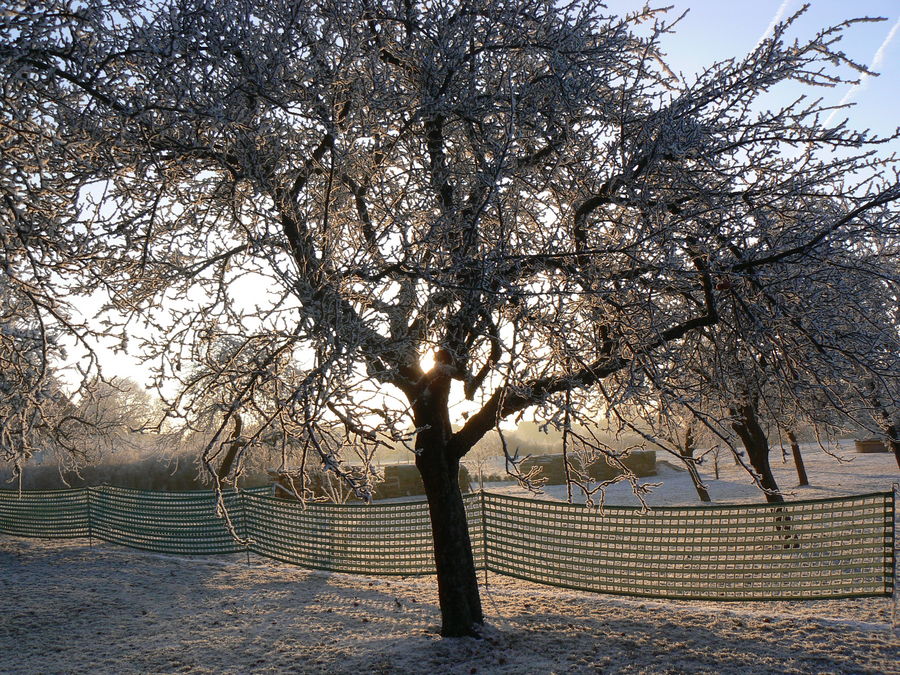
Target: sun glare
(426,360)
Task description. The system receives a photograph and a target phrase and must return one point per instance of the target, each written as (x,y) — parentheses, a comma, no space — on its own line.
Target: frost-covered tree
(110,417)
(28,389)
(213,395)
(40,243)
(795,348)
(395,206)
(39,413)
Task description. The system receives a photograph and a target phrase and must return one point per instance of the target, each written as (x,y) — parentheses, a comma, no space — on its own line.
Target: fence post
(90,517)
(484,541)
(246,532)
(895,599)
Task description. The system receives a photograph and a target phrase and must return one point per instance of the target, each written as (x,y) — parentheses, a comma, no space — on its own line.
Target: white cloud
(877,60)
(882,50)
(779,15)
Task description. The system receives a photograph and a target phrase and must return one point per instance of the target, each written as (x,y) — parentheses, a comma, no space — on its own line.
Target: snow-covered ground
(73,608)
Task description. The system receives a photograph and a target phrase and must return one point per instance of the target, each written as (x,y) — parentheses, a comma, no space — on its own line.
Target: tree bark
(438,463)
(234,444)
(886,422)
(460,602)
(893,439)
(892,435)
(798,459)
(749,430)
(687,451)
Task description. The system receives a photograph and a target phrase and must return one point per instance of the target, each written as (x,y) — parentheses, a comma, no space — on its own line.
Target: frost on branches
(304,203)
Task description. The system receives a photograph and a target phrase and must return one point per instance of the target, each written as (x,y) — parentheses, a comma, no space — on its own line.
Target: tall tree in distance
(394,206)
(29,391)
(803,347)
(41,413)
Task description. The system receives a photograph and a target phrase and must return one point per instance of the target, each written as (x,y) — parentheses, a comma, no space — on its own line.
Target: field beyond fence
(830,548)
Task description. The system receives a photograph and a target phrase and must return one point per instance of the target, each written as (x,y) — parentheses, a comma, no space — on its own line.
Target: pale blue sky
(720,29)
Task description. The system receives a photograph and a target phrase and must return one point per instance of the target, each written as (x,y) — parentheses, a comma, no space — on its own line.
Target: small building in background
(870,445)
(641,462)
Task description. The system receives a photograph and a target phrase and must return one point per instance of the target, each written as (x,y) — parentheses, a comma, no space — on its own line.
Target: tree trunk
(461,613)
(798,459)
(886,421)
(749,430)
(234,444)
(893,434)
(687,451)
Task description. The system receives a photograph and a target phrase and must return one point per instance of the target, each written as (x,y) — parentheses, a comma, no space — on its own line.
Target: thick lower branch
(506,401)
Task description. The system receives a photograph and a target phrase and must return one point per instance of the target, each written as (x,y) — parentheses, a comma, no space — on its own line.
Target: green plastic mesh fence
(166,522)
(842,547)
(382,540)
(53,514)
(814,549)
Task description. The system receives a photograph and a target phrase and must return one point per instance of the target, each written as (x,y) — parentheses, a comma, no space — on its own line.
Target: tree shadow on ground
(72,608)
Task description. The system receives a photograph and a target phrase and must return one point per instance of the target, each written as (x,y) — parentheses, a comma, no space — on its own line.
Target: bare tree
(807,347)
(108,418)
(40,242)
(29,390)
(802,478)
(682,435)
(509,202)
(39,413)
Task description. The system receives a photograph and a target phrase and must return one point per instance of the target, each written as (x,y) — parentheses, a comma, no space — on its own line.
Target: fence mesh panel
(52,514)
(166,522)
(816,549)
(842,547)
(385,539)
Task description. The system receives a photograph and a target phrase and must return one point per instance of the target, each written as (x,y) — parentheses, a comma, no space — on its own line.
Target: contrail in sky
(779,15)
(877,60)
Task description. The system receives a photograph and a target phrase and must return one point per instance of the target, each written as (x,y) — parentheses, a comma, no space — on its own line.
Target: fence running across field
(830,548)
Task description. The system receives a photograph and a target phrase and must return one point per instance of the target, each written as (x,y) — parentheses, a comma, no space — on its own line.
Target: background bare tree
(509,202)
(41,413)
(800,348)
(29,391)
